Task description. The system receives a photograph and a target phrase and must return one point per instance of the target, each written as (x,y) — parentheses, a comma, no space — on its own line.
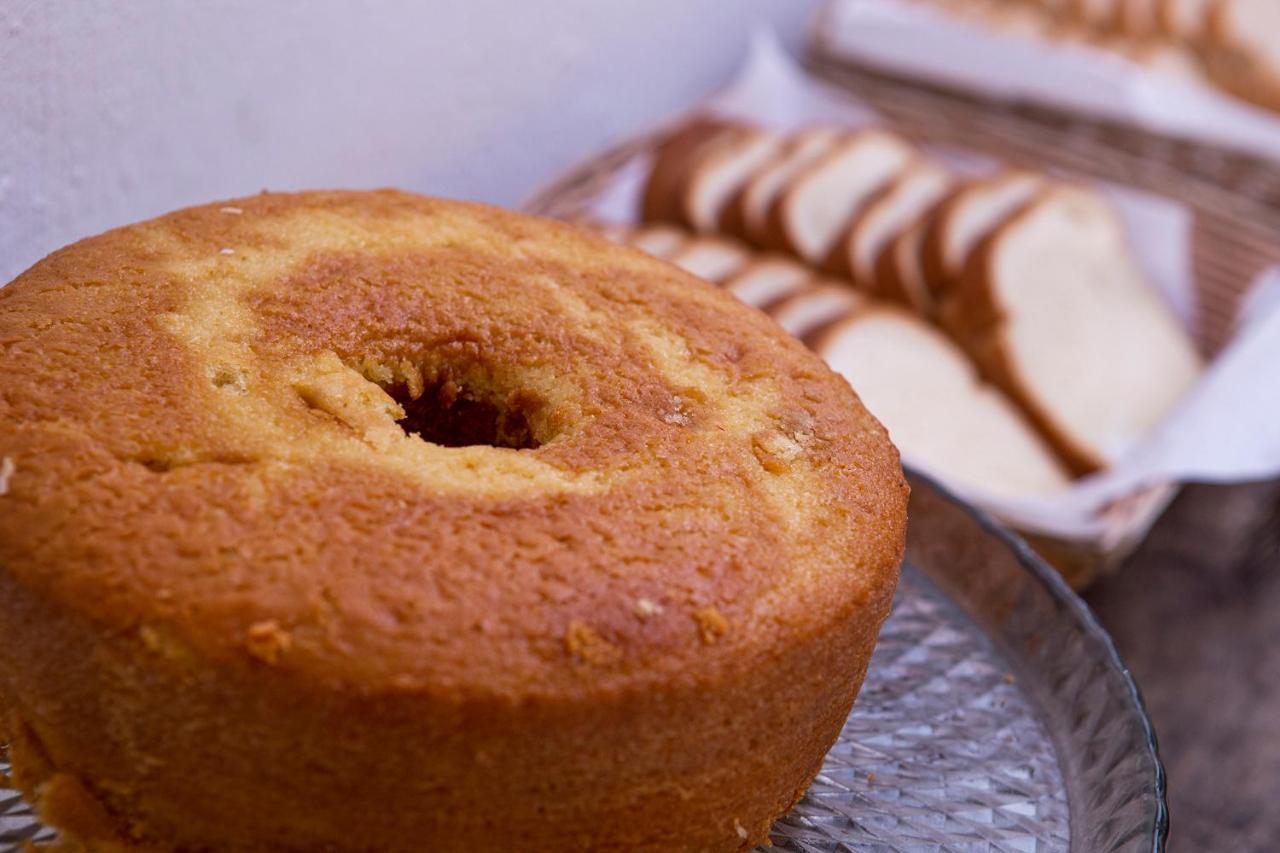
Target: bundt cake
(369,521)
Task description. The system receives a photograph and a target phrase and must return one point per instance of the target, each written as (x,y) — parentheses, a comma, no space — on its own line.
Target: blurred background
(113,112)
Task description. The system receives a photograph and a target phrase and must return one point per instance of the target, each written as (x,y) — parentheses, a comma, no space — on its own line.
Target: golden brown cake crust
(218,548)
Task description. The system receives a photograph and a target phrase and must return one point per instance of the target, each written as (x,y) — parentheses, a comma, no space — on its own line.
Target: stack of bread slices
(997,325)
(1232,43)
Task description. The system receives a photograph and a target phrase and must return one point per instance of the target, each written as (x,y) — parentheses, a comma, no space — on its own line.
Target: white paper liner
(918,40)
(1226,429)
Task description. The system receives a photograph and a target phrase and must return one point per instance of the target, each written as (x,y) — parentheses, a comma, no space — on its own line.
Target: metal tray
(996,716)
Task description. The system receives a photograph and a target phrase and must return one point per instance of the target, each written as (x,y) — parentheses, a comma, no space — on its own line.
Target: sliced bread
(811,212)
(916,191)
(674,161)
(1095,15)
(1137,19)
(661,241)
(900,275)
(939,414)
(1054,310)
(712,258)
(745,215)
(721,171)
(814,306)
(1243,49)
(1184,20)
(767,280)
(968,216)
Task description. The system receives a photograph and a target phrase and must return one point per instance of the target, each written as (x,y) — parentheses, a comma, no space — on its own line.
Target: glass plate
(996,716)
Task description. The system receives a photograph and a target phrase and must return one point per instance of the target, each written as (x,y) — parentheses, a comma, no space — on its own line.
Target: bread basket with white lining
(1132,238)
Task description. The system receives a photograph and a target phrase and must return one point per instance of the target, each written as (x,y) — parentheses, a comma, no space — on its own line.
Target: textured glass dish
(996,716)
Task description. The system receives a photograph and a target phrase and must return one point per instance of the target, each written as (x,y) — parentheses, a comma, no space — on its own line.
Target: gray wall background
(116,111)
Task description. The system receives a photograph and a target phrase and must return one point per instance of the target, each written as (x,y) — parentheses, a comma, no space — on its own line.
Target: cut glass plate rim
(1059,590)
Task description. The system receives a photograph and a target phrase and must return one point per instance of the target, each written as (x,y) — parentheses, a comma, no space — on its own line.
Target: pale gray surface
(112,112)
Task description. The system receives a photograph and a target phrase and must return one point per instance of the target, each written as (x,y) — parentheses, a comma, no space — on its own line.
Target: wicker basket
(1234,201)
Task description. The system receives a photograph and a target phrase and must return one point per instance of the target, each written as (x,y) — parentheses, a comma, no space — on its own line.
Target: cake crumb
(677,416)
(646,608)
(267,641)
(226,251)
(234,211)
(871,777)
(6,474)
(585,644)
(740,829)
(711,624)
(1009,678)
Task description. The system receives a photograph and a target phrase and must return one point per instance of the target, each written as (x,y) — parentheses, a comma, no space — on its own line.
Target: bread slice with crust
(722,171)
(900,275)
(942,417)
(661,241)
(1137,19)
(674,160)
(712,258)
(699,167)
(1095,15)
(815,306)
(767,280)
(746,214)
(1243,49)
(913,193)
(1054,310)
(810,213)
(967,217)
(1186,21)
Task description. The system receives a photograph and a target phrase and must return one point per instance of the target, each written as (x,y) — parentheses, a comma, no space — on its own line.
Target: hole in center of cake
(453,415)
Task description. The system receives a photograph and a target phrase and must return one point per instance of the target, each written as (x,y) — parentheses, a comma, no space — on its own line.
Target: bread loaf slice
(1186,21)
(721,171)
(1096,15)
(969,216)
(942,417)
(767,280)
(900,275)
(811,212)
(1054,310)
(814,307)
(1136,19)
(712,258)
(747,212)
(1243,50)
(913,193)
(661,241)
(674,160)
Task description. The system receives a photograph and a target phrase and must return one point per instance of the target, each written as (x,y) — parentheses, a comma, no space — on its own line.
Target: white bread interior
(814,306)
(661,241)
(928,395)
(767,280)
(1137,18)
(712,258)
(1095,14)
(763,187)
(1055,309)
(1184,20)
(920,187)
(718,175)
(816,207)
(972,214)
